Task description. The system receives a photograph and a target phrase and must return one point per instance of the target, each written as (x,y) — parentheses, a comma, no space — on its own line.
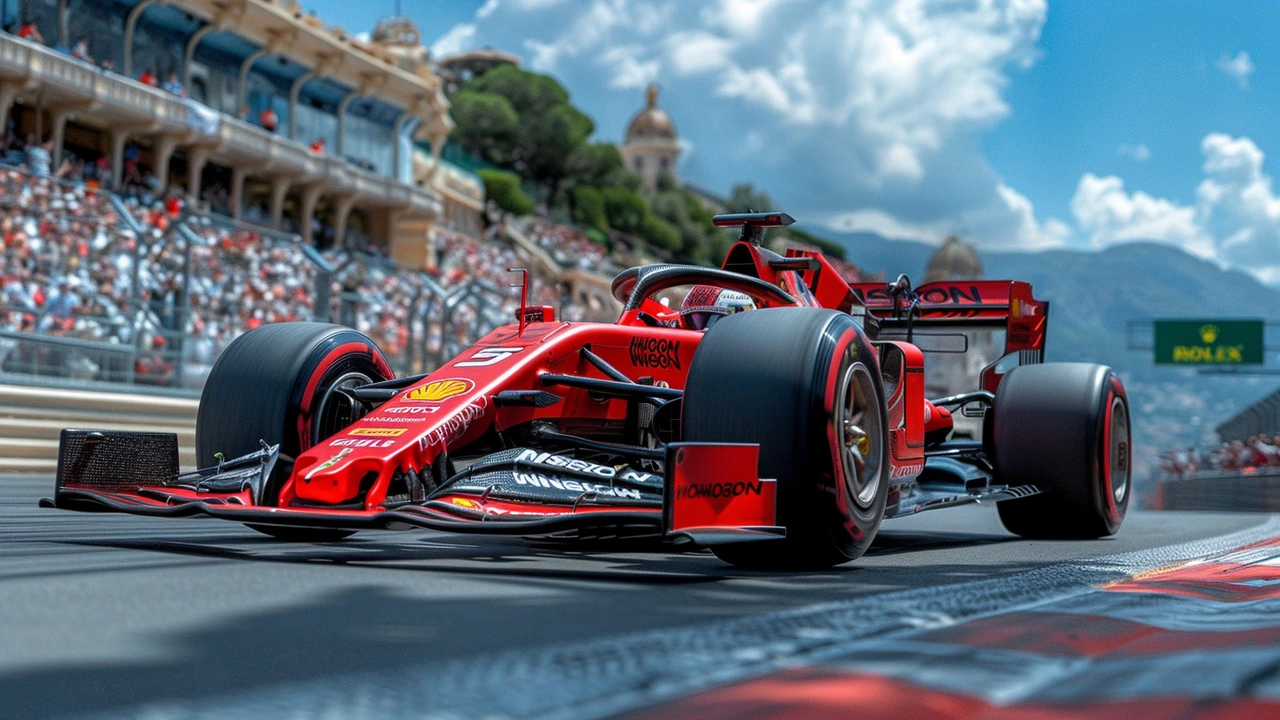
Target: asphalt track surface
(947,616)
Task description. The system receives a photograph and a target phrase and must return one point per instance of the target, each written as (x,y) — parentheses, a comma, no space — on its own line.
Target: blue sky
(1020,124)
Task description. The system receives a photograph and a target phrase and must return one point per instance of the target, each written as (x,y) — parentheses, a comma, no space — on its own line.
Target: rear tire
(780,378)
(275,384)
(1063,427)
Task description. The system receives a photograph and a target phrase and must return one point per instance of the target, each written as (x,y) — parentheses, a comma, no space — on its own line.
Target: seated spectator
(80,50)
(40,158)
(148,77)
(268,120)
(31,31)
(174,85)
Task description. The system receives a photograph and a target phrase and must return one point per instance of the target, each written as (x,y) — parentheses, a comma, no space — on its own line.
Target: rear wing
(1007,305)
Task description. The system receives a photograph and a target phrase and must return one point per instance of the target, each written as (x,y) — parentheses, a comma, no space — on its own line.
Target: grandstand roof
(307,44)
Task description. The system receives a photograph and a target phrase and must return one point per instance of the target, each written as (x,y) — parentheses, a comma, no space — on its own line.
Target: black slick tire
(770,377)
(268,386)
(1064,428)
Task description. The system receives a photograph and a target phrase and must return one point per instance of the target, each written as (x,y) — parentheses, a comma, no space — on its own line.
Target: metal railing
(418,323)
(1258,491)
(94,292)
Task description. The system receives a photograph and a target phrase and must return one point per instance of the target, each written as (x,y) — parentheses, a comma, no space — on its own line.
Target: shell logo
(1208,333)
(438,390)
(464,503)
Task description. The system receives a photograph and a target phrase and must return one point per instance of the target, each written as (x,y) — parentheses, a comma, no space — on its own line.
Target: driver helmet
(705,304)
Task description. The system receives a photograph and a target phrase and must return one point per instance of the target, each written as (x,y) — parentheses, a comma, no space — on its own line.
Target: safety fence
(1222,492)
(100,289)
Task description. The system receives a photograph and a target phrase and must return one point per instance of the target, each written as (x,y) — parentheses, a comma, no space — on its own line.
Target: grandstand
(157,204)
(266,113)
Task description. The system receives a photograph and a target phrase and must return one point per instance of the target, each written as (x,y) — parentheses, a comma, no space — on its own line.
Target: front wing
(711,495)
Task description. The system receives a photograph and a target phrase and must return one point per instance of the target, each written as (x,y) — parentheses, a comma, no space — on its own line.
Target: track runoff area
(947,616)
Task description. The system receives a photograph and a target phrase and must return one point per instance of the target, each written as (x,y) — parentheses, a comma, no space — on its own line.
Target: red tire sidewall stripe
(1107,487)
(333,356)
(1108,482)
(833,442)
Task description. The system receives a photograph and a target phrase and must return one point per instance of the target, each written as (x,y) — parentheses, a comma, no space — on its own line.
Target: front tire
(1063,427)
(804,385)
(278,383)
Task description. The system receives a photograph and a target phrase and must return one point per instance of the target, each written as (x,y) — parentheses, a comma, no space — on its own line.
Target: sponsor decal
(655,353)
(697,491)
(1206,353)
(438,390)
(902,471)
(949,295)
(456,425)
(411,410)
(488,356)
(701,296)
(377,432)
(399,419)
(559,461)
(636,476)
(352,442)
(327,463)
(575,486)
(464,503)
(1022,309)
(1218,342)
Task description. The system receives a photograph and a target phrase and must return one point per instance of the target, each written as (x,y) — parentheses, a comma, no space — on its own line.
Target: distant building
(458,70)
(251,88)
(954,373)
(955,260)
(651,147)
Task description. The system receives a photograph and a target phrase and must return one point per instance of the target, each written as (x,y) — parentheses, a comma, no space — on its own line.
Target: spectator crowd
(1257,453)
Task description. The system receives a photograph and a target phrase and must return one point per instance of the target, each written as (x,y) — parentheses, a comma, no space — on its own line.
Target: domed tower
(955,260)
(401,39)
(650,148)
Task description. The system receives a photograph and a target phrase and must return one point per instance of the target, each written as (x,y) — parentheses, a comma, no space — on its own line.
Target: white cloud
(697,51)
(455,41)
(1239,67)
(1028,233)
(628,70)
(862,103)
(1009,223)
(742,18)
(535,5)
(1235,220)
(486,9)
(1139,152)
(1111,215)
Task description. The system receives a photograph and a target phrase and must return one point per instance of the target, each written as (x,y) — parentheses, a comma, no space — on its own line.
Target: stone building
(651,147)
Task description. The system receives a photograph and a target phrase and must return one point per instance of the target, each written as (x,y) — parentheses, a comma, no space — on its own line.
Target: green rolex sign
(1209,342)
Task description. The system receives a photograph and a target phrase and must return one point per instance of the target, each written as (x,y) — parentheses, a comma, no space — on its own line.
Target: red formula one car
(767,410)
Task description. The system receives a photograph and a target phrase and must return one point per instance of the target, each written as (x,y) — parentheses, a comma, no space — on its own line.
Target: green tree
(503,188)
(598,164)
(625,209)
(588,207)
(660,233)
(529,93)
(486,125)
(547,133)
(745,198)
